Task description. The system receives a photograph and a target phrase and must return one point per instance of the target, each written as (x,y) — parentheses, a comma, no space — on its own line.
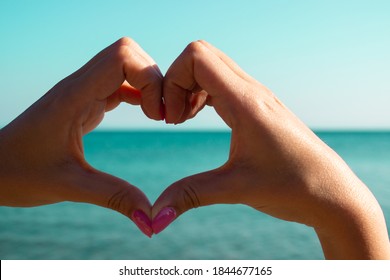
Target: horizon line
(357,130)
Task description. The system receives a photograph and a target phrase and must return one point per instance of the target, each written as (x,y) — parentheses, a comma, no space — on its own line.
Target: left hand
(41,151)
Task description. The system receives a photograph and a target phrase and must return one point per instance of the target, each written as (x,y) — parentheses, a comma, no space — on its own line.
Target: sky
(328,61)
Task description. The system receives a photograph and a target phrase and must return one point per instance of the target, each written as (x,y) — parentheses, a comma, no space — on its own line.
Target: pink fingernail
(143,222)
(166,216)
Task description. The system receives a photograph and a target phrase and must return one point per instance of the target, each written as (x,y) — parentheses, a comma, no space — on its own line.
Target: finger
(228,61)
(197,101)
(124,60)
(96,59)
(198,67)
(194,103)
(105,190)
(212,187)
(122,42)
(151,92)
(125,93)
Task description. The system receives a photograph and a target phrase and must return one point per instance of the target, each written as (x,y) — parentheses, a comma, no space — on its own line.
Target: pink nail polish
(166,216)
(143,222)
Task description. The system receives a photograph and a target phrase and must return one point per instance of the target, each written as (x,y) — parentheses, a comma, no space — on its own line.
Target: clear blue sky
(328,61)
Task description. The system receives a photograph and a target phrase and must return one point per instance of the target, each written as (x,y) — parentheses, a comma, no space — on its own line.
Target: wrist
(353,225)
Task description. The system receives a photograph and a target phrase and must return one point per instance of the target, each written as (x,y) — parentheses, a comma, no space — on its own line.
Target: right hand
(276,164)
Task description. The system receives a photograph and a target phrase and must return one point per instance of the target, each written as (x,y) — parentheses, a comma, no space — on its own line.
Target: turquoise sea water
(152,161)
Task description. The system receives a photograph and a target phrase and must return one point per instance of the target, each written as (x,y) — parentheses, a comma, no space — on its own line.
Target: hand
(42,158)
(276,164)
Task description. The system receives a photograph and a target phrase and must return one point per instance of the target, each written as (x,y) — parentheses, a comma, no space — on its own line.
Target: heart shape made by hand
(47,146)
(276,164)
(123,72)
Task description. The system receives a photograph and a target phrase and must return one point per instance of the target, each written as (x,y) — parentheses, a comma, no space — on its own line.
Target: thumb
(105,190)
(212,187)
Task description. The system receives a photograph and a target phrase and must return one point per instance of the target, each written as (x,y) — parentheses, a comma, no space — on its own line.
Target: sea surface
(154,160)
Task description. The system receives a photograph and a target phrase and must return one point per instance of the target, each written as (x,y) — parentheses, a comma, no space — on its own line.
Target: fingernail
(163,219)
(143,222)
(162,112)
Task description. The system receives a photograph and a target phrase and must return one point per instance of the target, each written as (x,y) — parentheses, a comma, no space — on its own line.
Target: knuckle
(121,53)
(123,49)
(195,47)
(201,41)
(189,195)
(125,41)
(118,201)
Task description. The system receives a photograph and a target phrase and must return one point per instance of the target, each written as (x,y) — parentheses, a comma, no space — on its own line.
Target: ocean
(154,160)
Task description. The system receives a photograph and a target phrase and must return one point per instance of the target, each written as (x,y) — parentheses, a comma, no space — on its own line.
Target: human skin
(276,164)
(41,151)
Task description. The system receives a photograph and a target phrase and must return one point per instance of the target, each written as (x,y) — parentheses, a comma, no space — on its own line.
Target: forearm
(355,228)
